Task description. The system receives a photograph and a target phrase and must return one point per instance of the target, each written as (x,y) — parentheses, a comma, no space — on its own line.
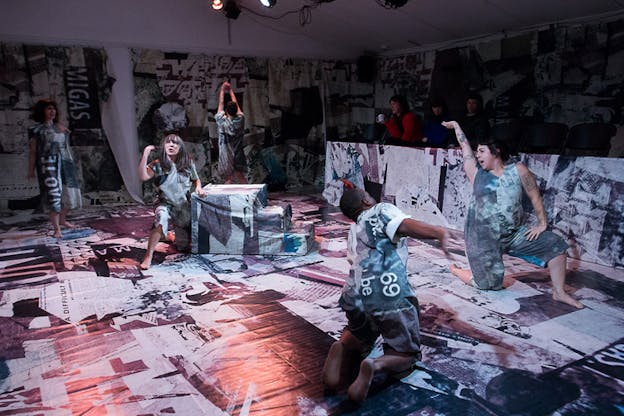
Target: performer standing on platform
(175,175)
(231,125)
(51,155)
(377,297)
(494,221)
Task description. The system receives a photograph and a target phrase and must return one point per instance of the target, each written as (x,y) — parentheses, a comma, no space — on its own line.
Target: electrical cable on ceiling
(305,12)
(391,4)
(305,16)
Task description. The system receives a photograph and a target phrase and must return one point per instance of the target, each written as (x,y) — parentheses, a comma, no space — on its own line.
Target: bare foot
(68,224)
(465,275)
(58,234)
(565,298)
(146,263)
(359,389)
(333,365)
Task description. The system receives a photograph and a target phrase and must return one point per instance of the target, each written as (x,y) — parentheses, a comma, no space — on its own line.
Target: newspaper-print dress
(56,171)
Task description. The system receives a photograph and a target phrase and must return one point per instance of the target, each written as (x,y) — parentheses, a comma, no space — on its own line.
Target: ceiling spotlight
(217,4)
(268,3)
(231,9)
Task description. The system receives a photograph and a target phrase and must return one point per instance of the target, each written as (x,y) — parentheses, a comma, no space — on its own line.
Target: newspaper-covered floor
(83,331)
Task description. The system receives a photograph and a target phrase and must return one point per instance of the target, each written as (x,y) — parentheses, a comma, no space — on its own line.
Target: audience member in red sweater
(404,128)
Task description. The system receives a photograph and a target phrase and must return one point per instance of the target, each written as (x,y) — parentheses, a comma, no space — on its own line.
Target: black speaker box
(366,68)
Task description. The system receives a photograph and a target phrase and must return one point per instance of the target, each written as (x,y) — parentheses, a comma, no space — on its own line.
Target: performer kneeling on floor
(377,297)
(494,221)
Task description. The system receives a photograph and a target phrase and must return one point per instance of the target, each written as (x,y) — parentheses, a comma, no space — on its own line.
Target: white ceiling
(337,29)
(364,25)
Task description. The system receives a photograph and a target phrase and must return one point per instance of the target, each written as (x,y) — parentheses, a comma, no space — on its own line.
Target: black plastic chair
(590,139)
(546,138)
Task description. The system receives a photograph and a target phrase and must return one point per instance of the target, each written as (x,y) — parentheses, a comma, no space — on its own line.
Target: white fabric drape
(119,122)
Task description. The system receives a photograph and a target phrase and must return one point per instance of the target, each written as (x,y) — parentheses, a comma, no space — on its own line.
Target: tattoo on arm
(469,157)
(530,185)
(529,182)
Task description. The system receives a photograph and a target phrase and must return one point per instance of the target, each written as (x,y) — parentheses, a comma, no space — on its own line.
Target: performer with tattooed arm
(494,220)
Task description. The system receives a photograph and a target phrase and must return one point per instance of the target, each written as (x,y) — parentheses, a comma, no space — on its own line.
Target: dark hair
(183,160)
(351,203)
(473,95)
(497,148)
(231,108)
(402,102)
(437,101)
(39,108)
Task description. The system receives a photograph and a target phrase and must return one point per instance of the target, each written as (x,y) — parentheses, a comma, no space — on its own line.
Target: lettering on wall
(83,108)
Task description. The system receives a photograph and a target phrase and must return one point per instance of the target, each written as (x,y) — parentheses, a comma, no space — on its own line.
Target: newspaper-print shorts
(399,329)
(540,251)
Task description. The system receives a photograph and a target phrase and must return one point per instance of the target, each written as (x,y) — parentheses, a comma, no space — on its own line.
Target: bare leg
(154,237)
(391,361)
(54,219)
(343,357)
(332,369)
(465,275)
(557,269)
(63,219)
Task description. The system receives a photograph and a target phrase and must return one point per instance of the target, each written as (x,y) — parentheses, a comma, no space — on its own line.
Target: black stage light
(231,10)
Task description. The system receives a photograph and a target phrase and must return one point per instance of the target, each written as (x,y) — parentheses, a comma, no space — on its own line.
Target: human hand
(226,86)
(381,118)
(200,192)
(148,149)
(534,232)
(451,125)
